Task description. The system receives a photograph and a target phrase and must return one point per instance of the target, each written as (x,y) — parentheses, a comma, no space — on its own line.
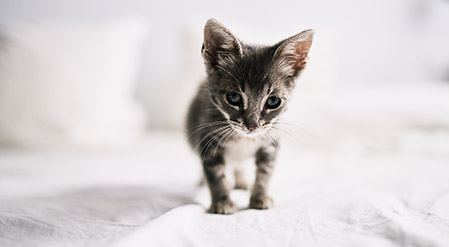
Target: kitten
(247,89)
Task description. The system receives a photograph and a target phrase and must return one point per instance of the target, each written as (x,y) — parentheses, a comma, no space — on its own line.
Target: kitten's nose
(251,128)
(251,121)
(251,125)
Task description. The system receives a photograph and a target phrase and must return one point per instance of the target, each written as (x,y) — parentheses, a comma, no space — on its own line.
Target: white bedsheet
(390,188)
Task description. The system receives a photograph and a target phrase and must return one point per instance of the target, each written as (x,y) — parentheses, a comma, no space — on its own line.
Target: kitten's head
(251,85)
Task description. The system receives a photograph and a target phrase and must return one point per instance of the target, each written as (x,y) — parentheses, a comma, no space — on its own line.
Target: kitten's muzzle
(249,131)
(251,125)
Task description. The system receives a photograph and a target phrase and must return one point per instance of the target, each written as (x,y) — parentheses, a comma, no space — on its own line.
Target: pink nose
(251,128)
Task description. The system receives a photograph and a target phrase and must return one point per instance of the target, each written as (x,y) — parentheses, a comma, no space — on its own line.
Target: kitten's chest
(241,148)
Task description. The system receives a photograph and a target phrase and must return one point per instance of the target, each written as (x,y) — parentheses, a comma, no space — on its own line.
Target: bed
(355,184)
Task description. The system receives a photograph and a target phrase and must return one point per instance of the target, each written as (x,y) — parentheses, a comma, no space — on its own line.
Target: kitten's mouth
(250,133)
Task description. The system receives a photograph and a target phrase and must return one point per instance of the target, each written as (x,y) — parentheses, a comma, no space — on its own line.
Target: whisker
(206,147)
(211,141)
(204,126)
(227,139)
(286,132)
(288,137)
(207,124)
(296,127)
(225,135)
(293,132)
(274,139)
(208,135)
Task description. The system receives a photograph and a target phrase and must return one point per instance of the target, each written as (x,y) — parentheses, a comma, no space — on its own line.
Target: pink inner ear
(301,50)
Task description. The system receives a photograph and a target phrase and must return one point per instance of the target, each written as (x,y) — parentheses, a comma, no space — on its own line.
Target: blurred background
(96,72)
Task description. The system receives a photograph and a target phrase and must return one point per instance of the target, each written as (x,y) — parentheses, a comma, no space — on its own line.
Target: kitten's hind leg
(241,183)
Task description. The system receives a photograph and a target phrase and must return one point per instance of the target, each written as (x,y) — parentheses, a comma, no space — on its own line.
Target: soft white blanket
(372,187)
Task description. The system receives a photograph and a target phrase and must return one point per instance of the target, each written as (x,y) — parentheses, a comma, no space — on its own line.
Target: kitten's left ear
(219,43)
(293,51)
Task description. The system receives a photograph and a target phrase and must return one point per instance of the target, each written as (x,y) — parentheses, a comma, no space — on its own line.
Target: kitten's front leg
(265,158)
(214,169)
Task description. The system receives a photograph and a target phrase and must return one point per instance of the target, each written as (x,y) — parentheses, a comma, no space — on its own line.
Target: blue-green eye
(273,102)
(234,98)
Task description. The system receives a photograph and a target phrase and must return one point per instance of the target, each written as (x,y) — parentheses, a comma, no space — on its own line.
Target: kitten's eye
(234,98)
(273,102)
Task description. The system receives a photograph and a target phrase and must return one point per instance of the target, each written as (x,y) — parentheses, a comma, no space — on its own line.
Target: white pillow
(70,84)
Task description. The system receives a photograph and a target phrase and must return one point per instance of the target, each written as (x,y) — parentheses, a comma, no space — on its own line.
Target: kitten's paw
(261,202)
(223,207)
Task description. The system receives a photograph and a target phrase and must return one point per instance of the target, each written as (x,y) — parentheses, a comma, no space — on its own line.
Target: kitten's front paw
(261,202)
(223,207)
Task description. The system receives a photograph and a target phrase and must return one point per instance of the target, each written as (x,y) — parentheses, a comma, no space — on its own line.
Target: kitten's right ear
(293,51)
(219,43)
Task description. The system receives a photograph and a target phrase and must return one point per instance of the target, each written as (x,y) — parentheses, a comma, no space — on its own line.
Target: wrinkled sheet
(363,186)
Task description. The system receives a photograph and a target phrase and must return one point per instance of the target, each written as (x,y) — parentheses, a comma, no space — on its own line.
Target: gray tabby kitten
(247,89)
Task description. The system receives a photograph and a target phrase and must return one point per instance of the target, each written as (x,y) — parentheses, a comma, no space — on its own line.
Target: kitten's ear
(219,43)
(293,51)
